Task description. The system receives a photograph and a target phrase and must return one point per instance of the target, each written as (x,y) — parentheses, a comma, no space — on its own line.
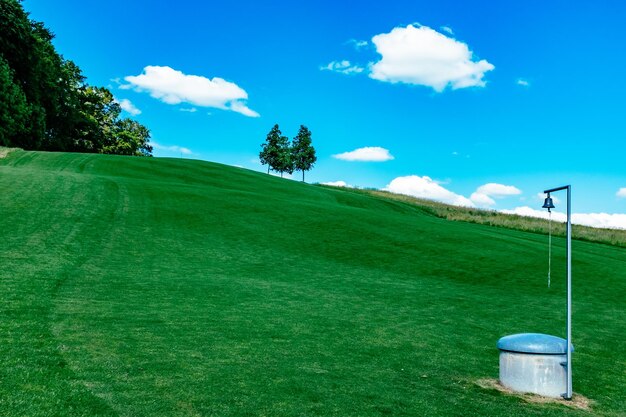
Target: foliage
(302,151)
(281,156)
(51,106)
(275,152)
(14,110)
(131,138)
(167,287)
(283,162)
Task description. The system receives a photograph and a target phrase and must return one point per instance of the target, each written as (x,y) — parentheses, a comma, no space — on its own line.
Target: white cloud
(240,107)
(172,148)
(128,106)
(426,187)
(531,212)
(522,82)
(498,190)
(338,184)
(604,220)
(447,29)
(174,87)
(621,192)
(343,67)
(482,200)
(485,194)
(367,154)
(189,110)
(358,44)
(422,56)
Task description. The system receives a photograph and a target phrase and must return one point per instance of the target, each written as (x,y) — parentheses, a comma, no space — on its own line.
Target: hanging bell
(548,203)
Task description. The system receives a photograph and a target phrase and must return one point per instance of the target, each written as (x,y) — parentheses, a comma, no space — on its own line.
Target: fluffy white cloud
(338,184)
(447,29)
(128,106)
(422,56)
(367,154)
(344,67)
(189,110)
(621,192)
(604,220)
(426,187)
(239,107)
(172,148)
(531,212)
(498,190)
(174,87)
(522,82)
(482,200)
(485,194)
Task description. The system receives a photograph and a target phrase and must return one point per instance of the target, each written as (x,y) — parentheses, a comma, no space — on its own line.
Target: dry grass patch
(578,401)
(4,151)
(615,237)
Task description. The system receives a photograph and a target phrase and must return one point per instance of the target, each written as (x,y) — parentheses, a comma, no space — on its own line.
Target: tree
(284,161)
(14,110)
(302,151)
(129,138)
(26,47)
(45,102)
(270,152)
(99,114)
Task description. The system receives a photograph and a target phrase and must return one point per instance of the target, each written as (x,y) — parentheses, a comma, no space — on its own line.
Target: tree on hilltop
(284,162)
(130,138)
(276,153)
(302,151)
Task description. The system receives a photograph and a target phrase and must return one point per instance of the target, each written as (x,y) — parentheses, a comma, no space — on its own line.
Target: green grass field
(165,287)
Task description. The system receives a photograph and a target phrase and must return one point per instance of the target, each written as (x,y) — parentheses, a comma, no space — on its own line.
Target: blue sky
(527,95)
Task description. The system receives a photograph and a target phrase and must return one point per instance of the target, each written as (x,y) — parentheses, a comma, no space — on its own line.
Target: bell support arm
(565,187)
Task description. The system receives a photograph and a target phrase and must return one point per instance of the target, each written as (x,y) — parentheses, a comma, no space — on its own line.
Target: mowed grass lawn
(164,287)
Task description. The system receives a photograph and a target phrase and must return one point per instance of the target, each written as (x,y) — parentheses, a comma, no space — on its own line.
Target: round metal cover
(537,343)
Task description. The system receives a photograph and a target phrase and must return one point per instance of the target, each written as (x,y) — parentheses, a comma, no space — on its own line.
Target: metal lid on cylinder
(534,343)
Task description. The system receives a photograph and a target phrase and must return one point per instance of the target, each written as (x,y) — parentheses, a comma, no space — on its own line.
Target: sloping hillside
(140,286)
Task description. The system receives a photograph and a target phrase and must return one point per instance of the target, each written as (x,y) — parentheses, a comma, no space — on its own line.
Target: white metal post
(568,366)
(568,394)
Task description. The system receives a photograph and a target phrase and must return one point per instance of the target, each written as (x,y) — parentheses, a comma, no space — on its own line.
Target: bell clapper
(548,204)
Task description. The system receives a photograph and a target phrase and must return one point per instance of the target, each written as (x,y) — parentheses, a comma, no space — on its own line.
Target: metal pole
(568,365)
(568,394)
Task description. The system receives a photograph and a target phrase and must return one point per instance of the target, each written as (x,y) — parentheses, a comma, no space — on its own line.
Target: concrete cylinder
(534,363)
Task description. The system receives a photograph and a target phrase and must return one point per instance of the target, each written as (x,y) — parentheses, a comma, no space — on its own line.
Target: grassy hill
(164,287)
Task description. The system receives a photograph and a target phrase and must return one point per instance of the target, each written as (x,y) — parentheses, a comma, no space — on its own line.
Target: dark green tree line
(281,156)
(45,102)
